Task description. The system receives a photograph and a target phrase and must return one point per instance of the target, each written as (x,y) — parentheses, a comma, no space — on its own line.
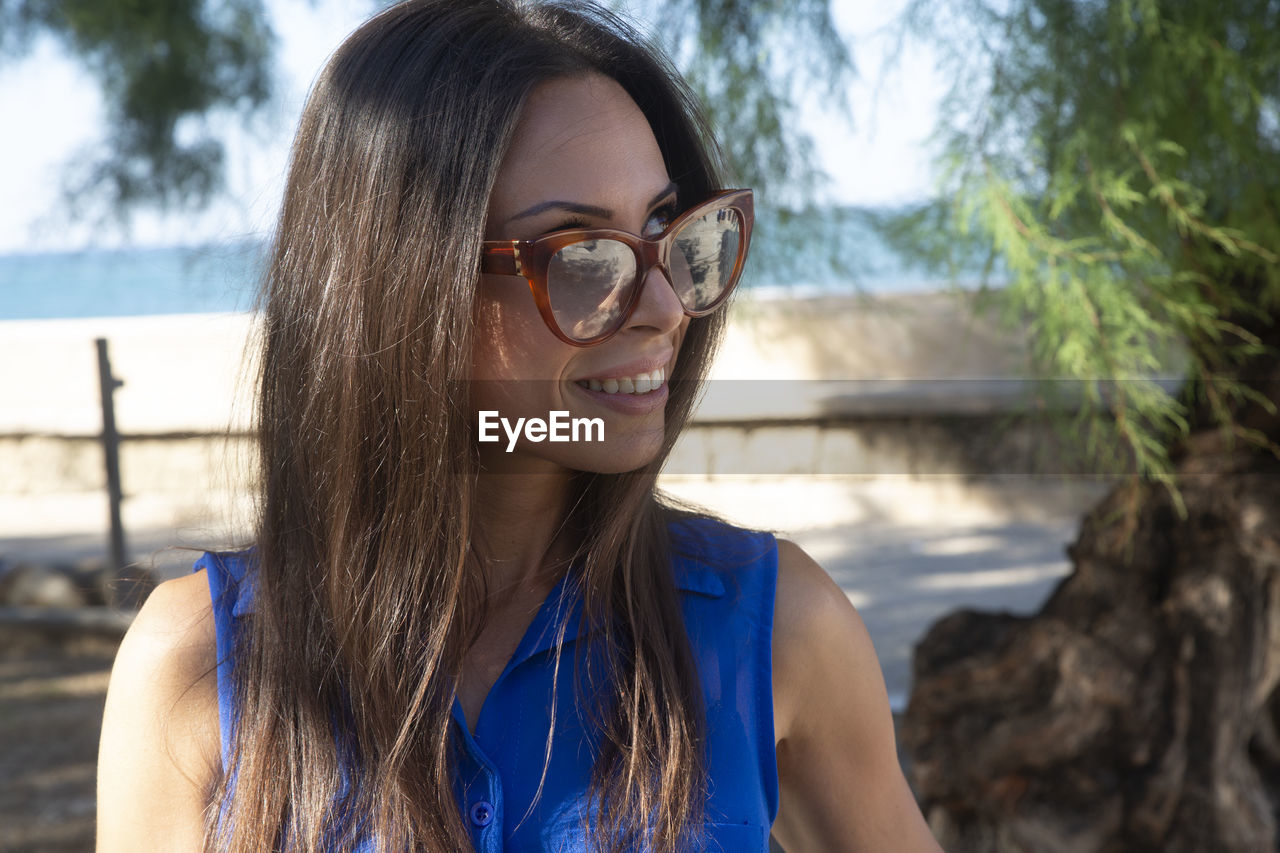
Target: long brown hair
(368,585)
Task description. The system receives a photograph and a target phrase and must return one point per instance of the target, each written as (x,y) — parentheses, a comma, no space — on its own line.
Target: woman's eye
(660,220)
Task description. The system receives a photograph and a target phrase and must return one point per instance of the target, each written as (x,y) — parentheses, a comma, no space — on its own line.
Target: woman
(440,642)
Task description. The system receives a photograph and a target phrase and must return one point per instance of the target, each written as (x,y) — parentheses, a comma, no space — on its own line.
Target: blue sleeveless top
(726,578)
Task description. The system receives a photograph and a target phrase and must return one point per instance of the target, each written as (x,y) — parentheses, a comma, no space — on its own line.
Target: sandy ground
(51,697)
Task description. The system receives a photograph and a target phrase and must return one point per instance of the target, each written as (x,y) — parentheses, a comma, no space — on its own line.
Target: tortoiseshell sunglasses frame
(531,258)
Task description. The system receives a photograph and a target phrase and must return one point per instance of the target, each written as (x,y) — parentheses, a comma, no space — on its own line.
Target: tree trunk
(1138,710)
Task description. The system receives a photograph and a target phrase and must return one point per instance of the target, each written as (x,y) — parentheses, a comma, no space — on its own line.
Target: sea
(123,282)
(224,278)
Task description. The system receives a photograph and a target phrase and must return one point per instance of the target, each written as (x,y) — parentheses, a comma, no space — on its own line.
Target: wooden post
(111,451)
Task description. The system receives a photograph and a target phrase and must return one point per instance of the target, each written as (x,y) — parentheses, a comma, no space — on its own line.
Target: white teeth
(641,383)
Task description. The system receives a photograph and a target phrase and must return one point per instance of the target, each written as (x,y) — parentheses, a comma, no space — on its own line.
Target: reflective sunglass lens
(589,286)
(591,283)
(705,256)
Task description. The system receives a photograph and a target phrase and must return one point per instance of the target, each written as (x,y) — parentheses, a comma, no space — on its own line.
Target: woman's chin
(617,457)
(613,455)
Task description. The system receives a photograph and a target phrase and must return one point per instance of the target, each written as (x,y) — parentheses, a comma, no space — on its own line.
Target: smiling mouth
(641,383)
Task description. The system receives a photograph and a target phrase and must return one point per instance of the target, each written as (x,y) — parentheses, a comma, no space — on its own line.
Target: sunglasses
(587,282)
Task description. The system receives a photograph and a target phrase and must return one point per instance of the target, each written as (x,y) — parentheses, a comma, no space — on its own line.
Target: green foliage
(752,62)
(164,66)
(1120,159)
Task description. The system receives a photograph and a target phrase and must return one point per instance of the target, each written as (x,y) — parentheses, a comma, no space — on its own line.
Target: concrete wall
(908,389)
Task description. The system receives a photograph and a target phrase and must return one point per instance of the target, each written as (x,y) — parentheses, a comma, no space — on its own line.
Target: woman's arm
(841,787)
(159,752)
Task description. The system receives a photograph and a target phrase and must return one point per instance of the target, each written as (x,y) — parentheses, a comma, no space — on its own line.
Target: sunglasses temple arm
(499,260)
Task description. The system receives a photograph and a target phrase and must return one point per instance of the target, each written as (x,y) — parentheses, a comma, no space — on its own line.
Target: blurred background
(1007,275)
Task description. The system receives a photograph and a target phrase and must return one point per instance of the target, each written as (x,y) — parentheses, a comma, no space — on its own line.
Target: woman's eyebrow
(585,209)
(570,206)
(669,189)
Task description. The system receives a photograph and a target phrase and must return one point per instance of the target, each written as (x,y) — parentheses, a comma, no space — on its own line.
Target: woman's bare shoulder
(178,612)
(834,729)
(816,630)
(822,653)
(160,753)
(173,637)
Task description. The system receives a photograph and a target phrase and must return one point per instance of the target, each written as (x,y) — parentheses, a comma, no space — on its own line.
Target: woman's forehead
(583,140)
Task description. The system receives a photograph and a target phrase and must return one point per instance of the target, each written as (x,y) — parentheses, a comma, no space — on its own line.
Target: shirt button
(482,814)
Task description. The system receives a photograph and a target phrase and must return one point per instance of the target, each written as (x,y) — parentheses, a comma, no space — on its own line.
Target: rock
(39,585)
(90,575)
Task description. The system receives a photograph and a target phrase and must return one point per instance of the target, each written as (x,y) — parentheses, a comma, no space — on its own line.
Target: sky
(880,157)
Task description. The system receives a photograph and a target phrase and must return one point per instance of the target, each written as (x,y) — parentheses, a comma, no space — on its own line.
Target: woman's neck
(522,539)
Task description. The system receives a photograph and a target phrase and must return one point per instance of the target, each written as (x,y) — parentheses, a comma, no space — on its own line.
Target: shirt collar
(563,604)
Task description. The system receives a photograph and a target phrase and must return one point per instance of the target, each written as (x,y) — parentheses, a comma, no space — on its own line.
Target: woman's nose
(659,307)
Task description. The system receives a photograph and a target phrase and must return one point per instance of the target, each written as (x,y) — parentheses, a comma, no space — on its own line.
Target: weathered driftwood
(1138,710)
